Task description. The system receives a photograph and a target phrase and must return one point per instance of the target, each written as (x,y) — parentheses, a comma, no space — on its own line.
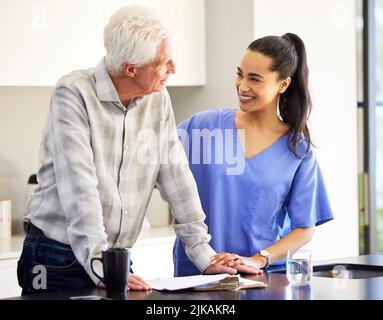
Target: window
(379,122)
(371,237)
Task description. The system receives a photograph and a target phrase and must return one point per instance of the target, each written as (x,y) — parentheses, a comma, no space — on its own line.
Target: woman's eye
(238,74)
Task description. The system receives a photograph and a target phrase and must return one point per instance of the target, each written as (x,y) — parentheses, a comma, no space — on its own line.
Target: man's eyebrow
(250,74)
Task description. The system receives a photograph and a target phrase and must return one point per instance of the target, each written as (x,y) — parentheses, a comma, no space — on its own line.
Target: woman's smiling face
(257,87)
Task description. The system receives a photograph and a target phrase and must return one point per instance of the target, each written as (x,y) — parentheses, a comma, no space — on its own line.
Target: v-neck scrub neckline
(242,148)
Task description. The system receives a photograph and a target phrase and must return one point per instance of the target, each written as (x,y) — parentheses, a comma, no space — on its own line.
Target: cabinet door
(187,18)
(9,286)
(153,260)
(41,40)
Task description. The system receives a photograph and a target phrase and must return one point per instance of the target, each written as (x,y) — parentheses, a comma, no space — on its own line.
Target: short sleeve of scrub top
(264,198)
(307,203)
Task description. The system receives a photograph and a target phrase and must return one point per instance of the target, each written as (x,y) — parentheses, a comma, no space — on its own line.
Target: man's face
(152,77)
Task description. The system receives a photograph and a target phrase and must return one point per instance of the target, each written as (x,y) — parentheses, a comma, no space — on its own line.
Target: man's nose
(171,67)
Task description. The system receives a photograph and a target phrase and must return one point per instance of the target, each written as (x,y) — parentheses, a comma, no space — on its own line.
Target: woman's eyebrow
(250,74)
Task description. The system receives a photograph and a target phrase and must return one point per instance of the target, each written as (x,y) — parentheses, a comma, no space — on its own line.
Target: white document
(179,283)
(205,282)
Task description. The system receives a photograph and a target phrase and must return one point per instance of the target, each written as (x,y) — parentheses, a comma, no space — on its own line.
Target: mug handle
(91,266)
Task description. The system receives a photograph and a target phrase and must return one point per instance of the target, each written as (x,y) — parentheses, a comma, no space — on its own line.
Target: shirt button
(118,243)
(126,147)
(126,212)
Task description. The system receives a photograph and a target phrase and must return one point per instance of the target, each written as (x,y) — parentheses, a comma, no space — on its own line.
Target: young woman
(275,196)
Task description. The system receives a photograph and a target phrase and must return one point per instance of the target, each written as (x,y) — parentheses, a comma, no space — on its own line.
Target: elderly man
(109,139)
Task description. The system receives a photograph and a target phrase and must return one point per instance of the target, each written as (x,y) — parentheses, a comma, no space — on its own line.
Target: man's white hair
(133,35)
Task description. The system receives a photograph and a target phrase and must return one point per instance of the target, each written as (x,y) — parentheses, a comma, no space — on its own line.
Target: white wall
(229,29)
(22,113)
(328,29)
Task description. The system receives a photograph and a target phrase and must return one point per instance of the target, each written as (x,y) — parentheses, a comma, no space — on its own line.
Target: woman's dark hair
(288,54)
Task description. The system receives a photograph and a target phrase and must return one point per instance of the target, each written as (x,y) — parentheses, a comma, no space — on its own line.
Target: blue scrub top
(249,204)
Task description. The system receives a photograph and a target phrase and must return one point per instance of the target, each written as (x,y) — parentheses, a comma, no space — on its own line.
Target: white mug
(5,219)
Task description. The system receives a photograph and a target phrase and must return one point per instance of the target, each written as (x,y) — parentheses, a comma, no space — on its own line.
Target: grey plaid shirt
(99,164)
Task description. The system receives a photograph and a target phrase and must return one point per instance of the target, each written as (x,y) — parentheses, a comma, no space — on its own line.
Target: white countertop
(11,248)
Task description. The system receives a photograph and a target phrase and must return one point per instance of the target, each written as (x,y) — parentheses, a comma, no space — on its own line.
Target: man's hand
(134,283)
(216,268)
(137,283)
(247,265)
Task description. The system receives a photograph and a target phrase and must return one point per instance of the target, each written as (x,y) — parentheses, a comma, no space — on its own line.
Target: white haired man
(96,178)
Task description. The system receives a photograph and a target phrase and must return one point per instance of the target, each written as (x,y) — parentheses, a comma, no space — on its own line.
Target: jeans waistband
(32,230)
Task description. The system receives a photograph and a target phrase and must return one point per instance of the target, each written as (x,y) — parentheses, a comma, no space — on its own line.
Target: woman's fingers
(242,268)
(234,261)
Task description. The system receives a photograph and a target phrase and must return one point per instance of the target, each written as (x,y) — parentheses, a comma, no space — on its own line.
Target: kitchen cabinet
(9,286)
(152,254)
(45,39)
(10,250)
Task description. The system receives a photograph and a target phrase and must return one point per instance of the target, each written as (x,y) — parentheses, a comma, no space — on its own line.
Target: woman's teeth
(246,98)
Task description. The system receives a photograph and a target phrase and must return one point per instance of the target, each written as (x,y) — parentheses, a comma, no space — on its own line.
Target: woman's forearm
(293,241)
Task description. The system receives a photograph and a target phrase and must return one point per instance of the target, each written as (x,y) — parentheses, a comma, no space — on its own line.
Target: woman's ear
(129,70)
(284,84)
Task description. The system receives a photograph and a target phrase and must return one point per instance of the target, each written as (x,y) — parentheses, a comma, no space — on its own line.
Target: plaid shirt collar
(105,87)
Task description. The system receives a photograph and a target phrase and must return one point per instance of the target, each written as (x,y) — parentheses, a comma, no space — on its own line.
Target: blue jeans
(47,265)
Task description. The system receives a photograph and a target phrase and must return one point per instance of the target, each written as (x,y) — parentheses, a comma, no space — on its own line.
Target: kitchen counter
(278,288)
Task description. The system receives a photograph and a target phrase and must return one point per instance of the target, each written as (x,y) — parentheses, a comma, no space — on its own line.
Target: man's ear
(284,84)
(129,70)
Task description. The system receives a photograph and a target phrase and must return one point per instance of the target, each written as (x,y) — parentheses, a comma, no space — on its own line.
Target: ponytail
(297,101)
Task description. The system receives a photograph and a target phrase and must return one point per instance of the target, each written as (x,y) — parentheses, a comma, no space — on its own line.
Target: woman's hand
(249,265)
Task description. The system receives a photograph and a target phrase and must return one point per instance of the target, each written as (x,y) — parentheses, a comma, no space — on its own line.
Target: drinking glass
(299,266)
